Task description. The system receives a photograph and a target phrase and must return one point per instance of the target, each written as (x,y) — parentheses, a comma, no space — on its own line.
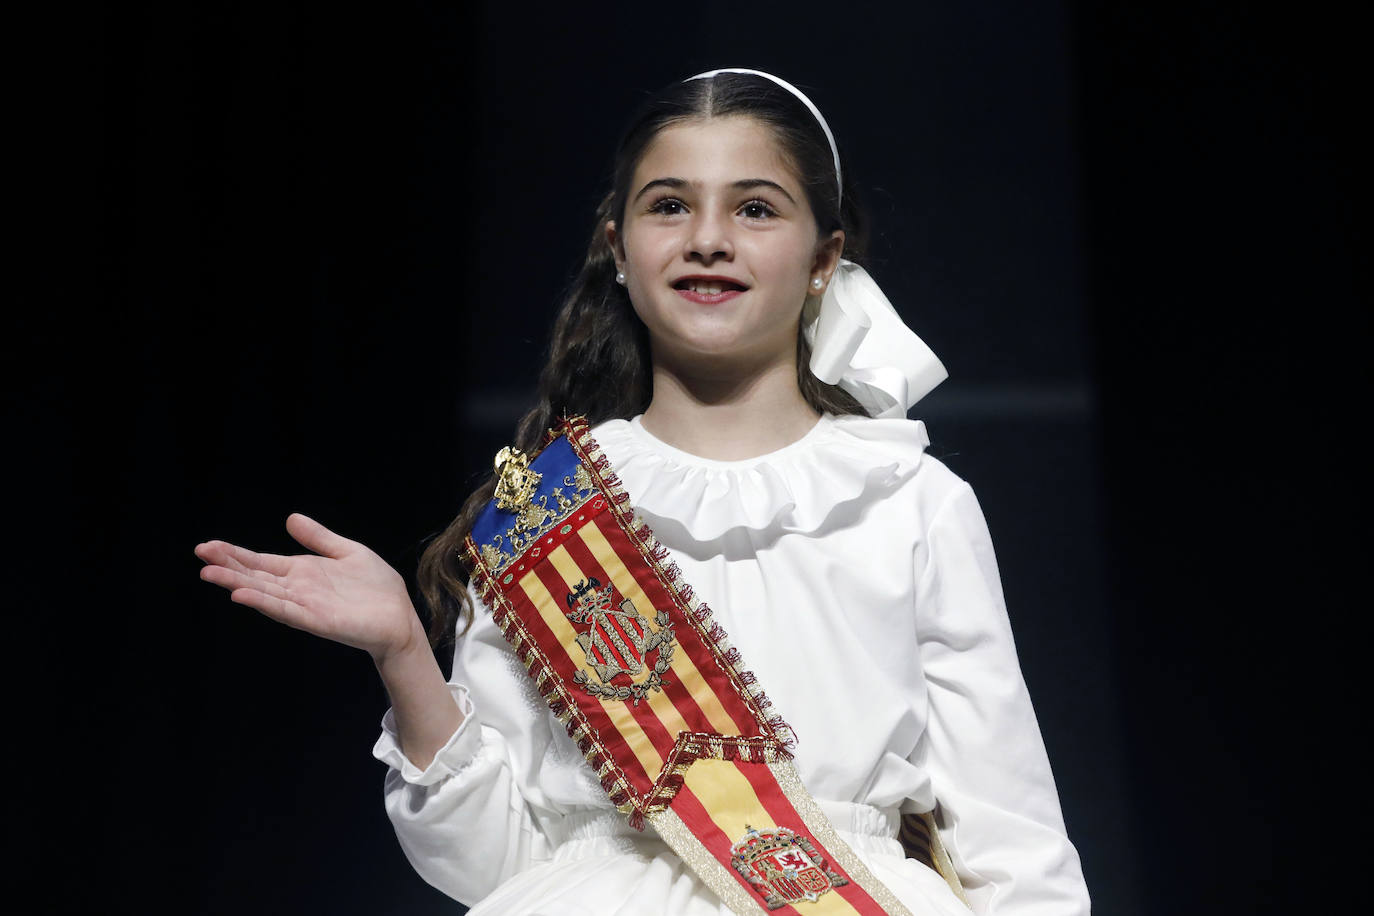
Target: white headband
(820,119)
(858,341)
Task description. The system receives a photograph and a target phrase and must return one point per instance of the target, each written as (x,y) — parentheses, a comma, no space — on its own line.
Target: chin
(722,352)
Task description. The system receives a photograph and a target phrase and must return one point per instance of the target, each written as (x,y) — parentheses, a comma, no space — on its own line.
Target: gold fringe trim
(693,746)
(550,686)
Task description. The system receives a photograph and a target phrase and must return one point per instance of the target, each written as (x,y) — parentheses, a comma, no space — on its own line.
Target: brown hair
(599,364)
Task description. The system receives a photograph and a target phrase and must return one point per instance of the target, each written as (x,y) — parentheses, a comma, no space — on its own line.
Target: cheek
(637,301)
(645,301)
(786,268)
(647,256)
(647,245)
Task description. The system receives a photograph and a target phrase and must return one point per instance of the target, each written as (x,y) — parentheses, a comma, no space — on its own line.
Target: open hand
(347,593)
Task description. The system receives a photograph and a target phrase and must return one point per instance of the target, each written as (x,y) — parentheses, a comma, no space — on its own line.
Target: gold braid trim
(823,830)
(723,883)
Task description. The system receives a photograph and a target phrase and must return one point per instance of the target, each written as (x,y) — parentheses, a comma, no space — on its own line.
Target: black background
(328,243)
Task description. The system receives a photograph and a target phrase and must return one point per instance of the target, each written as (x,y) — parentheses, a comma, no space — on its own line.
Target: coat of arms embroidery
(783,866)
(617,642)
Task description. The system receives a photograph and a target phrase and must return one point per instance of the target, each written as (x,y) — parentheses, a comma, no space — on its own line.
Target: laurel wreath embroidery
(612,650)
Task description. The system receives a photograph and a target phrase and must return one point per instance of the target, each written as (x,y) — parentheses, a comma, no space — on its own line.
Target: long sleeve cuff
(457,752)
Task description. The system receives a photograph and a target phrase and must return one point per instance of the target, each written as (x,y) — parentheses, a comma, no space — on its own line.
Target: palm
(343,591)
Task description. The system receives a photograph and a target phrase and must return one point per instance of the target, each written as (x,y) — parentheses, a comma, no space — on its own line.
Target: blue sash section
(556,462)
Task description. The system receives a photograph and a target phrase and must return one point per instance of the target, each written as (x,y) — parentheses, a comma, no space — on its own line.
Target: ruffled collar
(795,489)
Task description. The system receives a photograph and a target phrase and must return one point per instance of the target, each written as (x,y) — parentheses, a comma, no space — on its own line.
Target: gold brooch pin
(516,483)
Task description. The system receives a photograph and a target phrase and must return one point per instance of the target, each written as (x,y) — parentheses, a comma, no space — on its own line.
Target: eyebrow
(744,184)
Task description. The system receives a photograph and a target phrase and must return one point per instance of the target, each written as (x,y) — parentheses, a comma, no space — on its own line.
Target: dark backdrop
(331,242)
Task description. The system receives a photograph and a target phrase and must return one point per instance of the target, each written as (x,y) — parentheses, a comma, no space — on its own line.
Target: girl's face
(719,245)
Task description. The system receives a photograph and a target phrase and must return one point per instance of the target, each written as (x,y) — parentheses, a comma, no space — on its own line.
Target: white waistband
(604,831)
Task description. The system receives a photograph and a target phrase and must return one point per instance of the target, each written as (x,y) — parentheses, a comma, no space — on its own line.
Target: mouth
(708,290)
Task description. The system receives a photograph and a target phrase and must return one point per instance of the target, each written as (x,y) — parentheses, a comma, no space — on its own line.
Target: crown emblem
(515,482)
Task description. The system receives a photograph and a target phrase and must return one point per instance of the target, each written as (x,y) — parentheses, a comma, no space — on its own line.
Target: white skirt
(602,867)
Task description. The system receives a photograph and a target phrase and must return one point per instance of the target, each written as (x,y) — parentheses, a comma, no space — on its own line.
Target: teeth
(706,289)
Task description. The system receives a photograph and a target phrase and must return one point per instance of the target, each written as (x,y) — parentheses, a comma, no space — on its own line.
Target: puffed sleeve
(465,822)
(999,811)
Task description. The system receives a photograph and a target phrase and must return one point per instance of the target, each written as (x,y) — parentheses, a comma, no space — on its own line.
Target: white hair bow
(859,342)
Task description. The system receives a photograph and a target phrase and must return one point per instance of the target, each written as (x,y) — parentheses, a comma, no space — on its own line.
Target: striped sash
(649,688)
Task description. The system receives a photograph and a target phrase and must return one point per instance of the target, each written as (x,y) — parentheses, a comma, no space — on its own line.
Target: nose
(709,239)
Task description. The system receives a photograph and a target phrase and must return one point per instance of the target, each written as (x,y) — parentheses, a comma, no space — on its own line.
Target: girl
(749,384)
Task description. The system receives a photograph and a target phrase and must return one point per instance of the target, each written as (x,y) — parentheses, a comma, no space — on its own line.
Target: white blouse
(856,576)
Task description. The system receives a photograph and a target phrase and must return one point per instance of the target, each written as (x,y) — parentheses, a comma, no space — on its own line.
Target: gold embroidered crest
(783,866)
(617,642)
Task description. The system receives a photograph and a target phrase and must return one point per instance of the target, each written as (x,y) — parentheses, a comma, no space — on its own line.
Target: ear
(828,252)
(613,240)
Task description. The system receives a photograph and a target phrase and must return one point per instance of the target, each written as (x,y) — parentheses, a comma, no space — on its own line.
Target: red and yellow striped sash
(648,686)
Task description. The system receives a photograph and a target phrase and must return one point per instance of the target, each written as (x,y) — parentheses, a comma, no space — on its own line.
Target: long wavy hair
(599,362)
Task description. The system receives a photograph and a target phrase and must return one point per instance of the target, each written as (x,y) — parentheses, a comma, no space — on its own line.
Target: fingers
(235,579)
(314,536)
(255,588)
(231,556)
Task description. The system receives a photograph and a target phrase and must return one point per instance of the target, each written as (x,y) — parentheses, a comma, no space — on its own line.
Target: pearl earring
(817,283)
(620,277)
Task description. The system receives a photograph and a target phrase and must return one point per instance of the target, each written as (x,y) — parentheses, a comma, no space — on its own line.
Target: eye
(757,209)
(668,206)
